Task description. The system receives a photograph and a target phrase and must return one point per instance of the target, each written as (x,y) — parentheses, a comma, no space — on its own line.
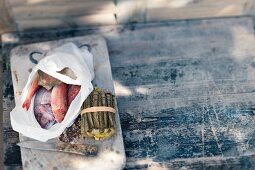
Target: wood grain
(185,90)
(1,118)
(167,13)
(68,22)
(18,3)
(6,22)
(192,3)
(189,90)
(130,11)
(46,14)
(55,11)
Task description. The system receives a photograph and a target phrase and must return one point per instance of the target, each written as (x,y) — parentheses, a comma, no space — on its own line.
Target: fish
(42,108)
(34,87)
(73,90)
(59,101)
(47,81)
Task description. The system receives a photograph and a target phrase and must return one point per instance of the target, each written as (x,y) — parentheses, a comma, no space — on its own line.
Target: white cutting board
(111,154)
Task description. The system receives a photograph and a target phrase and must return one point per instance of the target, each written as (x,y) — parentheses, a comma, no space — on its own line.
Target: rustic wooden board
(46,14)
(7,23)
(130,11)
(193,3)
(185,91)
(56,11)
(67,22)
(1,120)
(150,10)
(187,88)
(167,13)
(111,152)
(17,3)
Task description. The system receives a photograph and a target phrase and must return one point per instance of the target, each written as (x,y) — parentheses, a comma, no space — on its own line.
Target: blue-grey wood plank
(185,90)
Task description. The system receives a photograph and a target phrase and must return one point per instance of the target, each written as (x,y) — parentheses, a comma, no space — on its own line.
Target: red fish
(73,90)
(59,101)
(31,92)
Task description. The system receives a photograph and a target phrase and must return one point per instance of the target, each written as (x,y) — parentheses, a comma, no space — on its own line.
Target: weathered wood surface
(184,89)
(1,118)
(62,9)
(150,10)
(171,9)
(6,22)
(59,14)
(46,14)
(188,98)
(68,22)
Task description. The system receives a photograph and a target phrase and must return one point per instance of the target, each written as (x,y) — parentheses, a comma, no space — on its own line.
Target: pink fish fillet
(31,92)
(59,101)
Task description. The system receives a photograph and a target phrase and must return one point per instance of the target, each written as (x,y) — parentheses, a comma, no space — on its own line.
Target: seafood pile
(52,99)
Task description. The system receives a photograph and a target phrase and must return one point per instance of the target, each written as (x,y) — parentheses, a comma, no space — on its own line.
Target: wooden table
(185,91)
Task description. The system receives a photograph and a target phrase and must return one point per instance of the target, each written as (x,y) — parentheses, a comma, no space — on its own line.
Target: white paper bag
(80,61)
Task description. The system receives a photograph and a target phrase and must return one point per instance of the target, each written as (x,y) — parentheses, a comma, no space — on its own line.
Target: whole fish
(34,87)
(59,101)
(73,90)
(42,108)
